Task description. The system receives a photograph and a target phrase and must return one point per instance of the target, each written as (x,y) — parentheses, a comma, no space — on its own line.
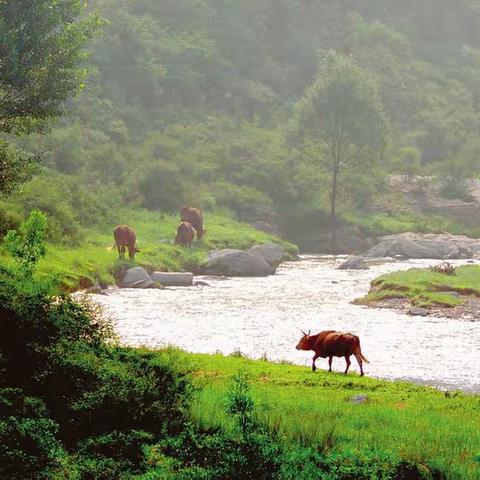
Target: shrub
(408,163)
(28,444)
(28,246)
(250,453)
(102,399)
(110,456)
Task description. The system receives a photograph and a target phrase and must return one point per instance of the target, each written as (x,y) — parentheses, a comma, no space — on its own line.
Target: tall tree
(340,124)
(41,51)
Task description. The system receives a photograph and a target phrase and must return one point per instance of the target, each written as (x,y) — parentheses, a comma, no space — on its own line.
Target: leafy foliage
(15,168)
(339,122)
(28,246)
(41,46)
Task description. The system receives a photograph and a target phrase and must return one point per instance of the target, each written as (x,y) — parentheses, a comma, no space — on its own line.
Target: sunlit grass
(411,422)
(426,288)
(95,259)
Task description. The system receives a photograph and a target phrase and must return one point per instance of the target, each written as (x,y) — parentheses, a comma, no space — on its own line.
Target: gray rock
(359,399)
(415,245)
(354,263)
(459,253)
(237,263)
(269,252)
(96,289)
(201,283)
(173,279)
(136,277)
(142,284)
(453,294)
(212,254)
(418,312)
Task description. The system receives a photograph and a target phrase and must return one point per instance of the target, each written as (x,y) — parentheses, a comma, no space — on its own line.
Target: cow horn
(303,333)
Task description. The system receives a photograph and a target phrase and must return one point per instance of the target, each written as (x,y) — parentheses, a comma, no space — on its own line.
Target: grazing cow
(193,216)
(330,343)
(125,238)
(185,234)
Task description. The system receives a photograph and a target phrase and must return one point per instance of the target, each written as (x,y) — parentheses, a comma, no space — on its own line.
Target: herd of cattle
(325,344)
(191,224)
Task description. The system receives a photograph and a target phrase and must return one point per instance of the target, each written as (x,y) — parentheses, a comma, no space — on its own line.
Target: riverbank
(351,419)
(94,260)
(428,292)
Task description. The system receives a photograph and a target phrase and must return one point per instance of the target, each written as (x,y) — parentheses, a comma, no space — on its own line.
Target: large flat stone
(173,279)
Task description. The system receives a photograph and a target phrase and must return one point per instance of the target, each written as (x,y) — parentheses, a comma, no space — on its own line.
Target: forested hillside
(194,101)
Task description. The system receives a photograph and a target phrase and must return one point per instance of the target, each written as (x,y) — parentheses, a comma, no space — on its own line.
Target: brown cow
(193,216)
(125,238)
(185,234)
(330,343)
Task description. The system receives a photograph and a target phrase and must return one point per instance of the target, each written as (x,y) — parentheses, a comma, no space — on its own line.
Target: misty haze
(239,239)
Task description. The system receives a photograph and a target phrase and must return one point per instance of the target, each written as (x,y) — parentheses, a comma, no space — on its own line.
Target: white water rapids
(262,315)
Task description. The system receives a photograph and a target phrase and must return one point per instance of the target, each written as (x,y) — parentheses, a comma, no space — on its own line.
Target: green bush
(28,444)
(99,400)
(28,245)
(110,456)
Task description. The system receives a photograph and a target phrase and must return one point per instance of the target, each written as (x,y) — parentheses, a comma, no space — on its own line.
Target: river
(261,316)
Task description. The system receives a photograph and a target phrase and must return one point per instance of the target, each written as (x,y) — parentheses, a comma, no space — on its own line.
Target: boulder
(459,253)
(96,289)
(415,245)
(354,263)
(269,252)
(237,263)
(418,312)
(137,277)
(173,279)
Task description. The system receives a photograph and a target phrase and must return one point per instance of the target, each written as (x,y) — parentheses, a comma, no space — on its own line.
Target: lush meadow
(355,422)
(95,258)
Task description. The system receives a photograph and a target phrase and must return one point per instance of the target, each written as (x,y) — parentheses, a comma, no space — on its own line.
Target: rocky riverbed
(470,310)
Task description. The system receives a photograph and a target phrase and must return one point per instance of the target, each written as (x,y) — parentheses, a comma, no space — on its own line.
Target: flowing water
(261,316)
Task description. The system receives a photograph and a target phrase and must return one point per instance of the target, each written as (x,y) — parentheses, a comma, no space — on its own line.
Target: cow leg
(347,359)
(314,367)
(330,363)
(121,252)
(358,356)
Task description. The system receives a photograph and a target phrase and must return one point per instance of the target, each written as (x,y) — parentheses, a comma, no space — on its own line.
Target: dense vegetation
(190,101)
(218,104)
(75,405)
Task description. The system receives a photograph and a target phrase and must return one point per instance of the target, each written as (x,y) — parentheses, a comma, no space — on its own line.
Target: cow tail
(364,358)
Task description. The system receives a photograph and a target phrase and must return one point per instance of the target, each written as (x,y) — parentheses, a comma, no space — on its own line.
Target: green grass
(379,224)
(94,259)
(414,423)
(425,288)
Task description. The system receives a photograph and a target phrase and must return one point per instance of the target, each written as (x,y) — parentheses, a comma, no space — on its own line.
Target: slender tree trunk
(333,210)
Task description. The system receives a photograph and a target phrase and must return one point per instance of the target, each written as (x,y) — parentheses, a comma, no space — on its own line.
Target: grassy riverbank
(93,258)
(437,431)
(425,288)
